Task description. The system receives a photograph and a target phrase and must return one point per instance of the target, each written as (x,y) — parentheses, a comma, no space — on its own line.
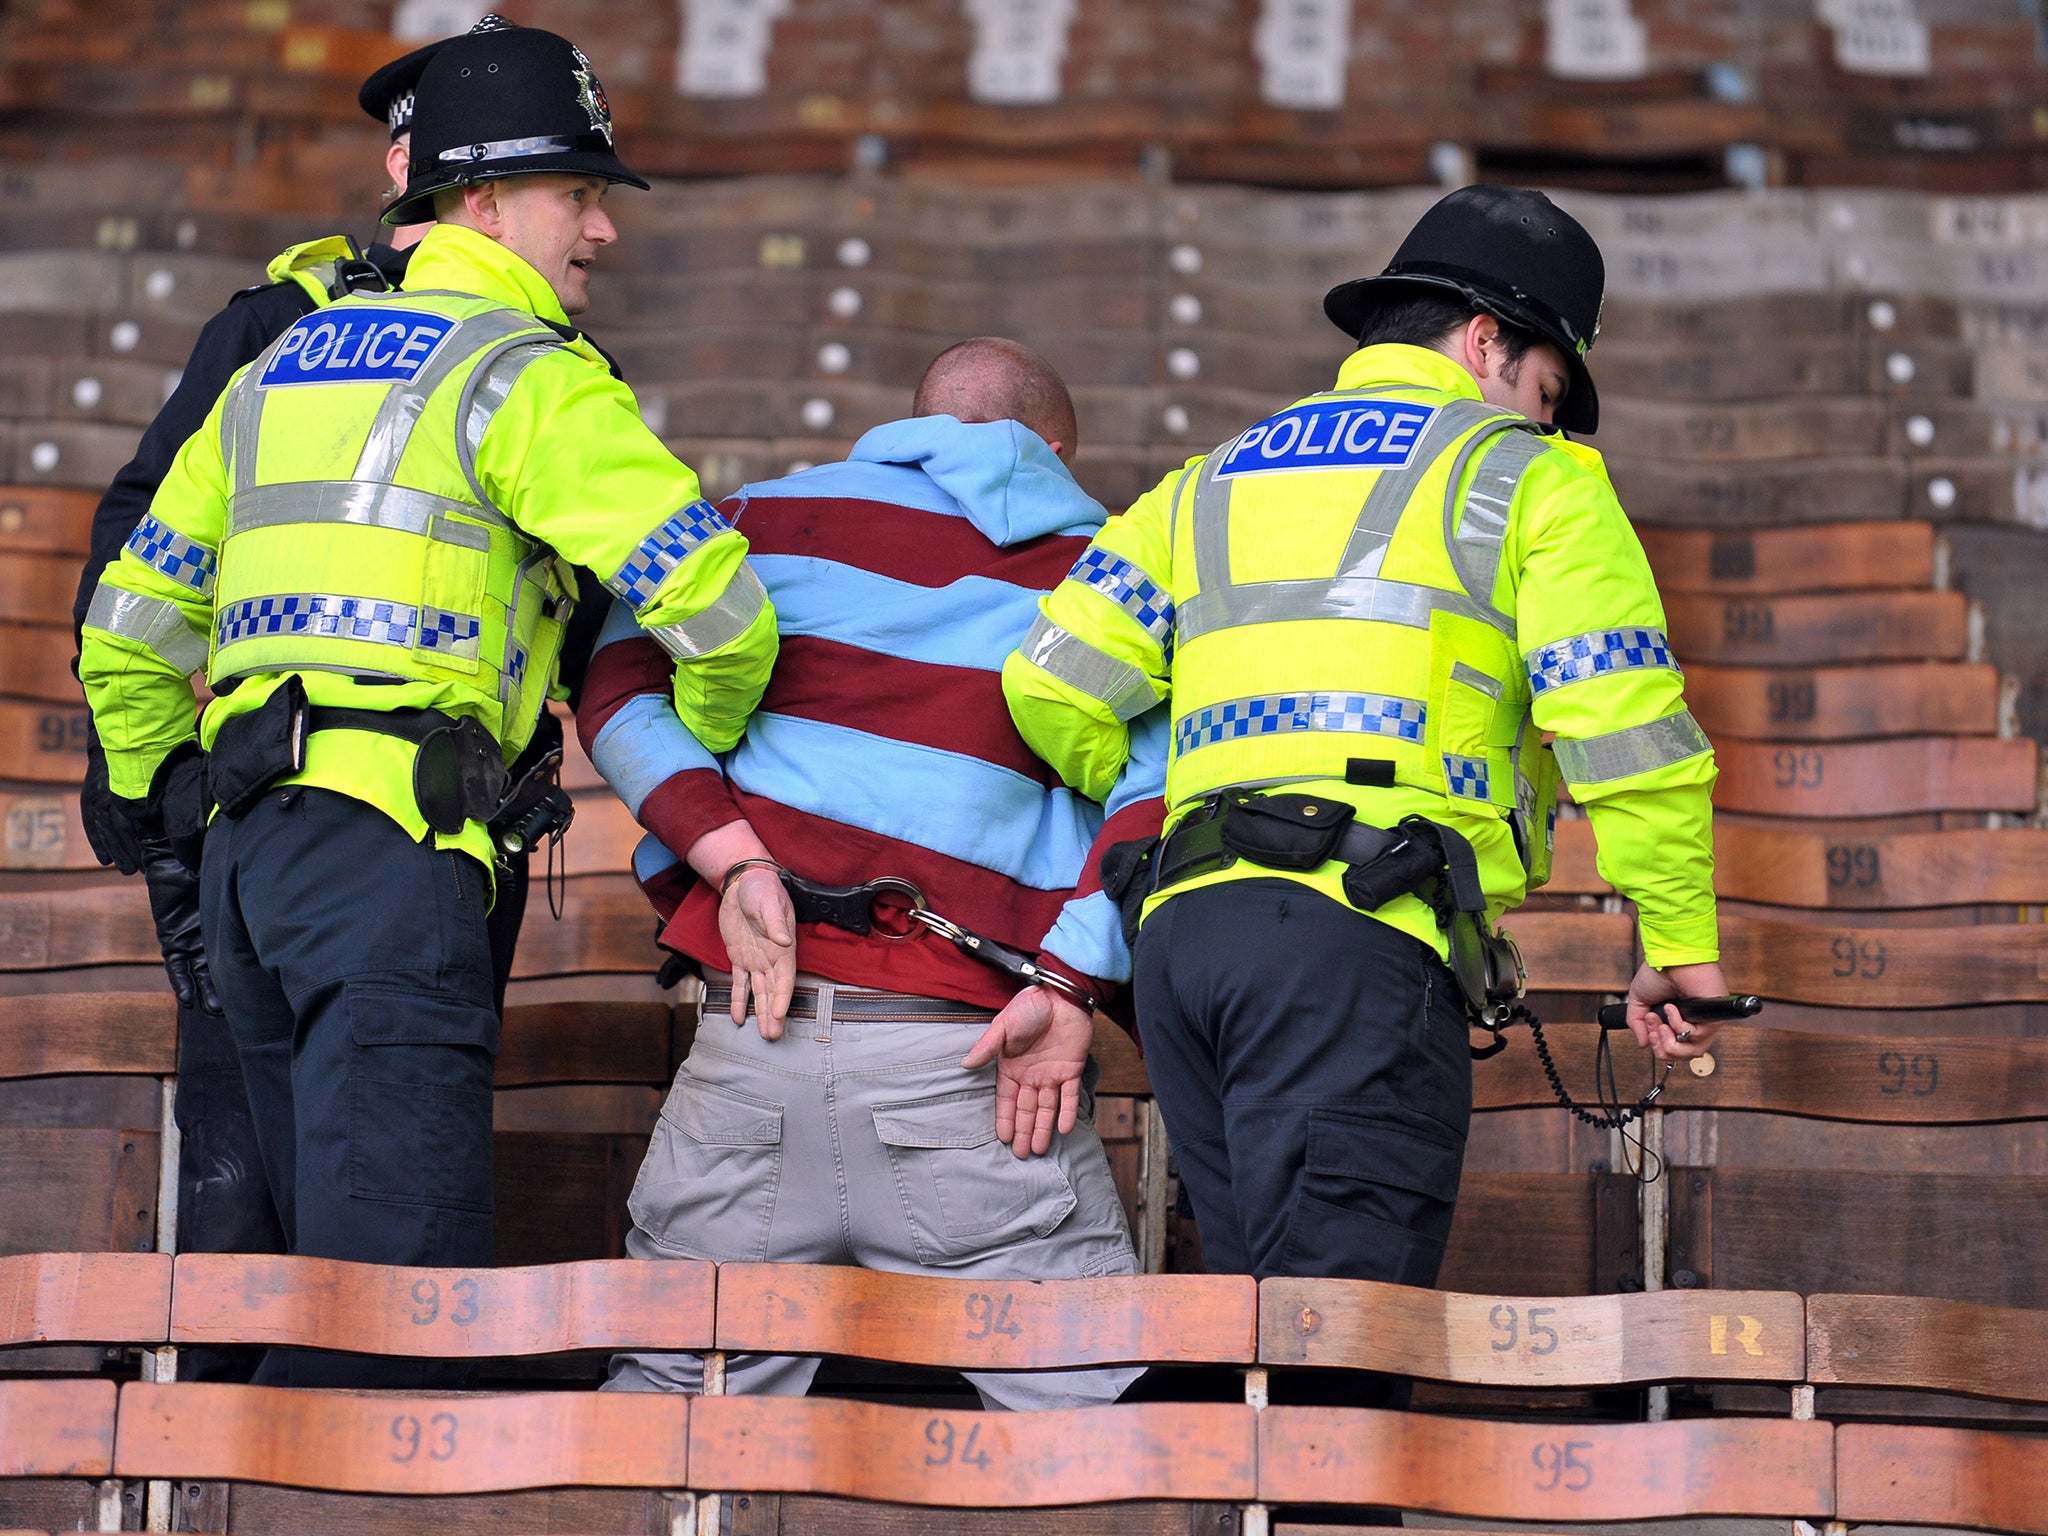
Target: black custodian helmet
(512,102)
(1515,255)
(388,95)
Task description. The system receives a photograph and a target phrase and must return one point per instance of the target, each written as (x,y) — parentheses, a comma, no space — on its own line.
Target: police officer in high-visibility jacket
(366,549)
(1367,612)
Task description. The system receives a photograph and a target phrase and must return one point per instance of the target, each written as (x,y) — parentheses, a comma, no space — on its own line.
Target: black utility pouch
(1126,870)
(459,776)
(253,751)
(1296,832)
(1405,869)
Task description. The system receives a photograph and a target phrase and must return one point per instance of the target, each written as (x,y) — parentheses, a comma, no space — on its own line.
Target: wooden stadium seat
(987,1324)
(56,1428)
(1850,967)
(1576,951)
(1847,870)
(43,831)
(1007,1460)
(84,1298)
(1877,778)
(1923,1344)
(1831,557)
(1980,1479)
(79,1142)
(43,743)
(35,661)
(1842,703)
(38,589)
(1818,630)
(401,1444)
(1560,1234)
(387,1310)
(1533,1341)
(1575,1472)
(606,925)
(585,1042)
(45,519)
(601,839)
(53,927)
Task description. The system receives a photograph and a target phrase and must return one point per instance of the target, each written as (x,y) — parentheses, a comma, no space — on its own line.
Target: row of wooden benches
(1818,958)
(1182,1452)
(152,1300)
(1924,1079)
(1766,863)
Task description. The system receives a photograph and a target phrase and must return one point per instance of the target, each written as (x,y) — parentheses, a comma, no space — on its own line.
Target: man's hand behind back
(1039,1043)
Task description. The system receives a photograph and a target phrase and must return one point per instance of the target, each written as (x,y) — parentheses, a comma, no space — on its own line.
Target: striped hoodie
(901,580)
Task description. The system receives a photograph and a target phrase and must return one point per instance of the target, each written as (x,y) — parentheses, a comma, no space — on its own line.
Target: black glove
(112,832)
(180,799)
(174,903)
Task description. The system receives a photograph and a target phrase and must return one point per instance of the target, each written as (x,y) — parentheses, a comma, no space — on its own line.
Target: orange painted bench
(56,1428)
(1532,1341)
(987,1324)
(376,1309)
(1180,1451)
(1980,1479)
(1573,1472)
(1826,557)
(85,1298)
(387,1443)
(1925,1344)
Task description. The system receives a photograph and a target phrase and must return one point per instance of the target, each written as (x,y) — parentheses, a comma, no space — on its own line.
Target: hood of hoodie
(1009,483)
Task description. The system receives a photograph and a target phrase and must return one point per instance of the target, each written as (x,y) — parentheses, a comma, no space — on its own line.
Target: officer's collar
(456,258)
(1398,363)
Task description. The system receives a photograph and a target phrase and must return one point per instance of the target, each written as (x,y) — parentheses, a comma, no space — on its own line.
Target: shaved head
(992,378)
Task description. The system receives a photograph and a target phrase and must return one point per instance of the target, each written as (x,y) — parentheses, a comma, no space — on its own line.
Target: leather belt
(1196,848)
(863,1006)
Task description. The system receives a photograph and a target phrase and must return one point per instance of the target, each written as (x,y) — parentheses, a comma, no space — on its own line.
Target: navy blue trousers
(1313,1070)
(355,967)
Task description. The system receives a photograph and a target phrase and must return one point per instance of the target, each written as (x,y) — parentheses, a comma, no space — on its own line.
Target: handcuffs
(852,907)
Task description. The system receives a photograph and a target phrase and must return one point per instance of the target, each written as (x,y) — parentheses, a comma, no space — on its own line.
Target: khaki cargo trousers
(860,1140)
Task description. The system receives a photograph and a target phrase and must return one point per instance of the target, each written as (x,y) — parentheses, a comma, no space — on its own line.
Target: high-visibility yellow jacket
(1393,573)
(382,504)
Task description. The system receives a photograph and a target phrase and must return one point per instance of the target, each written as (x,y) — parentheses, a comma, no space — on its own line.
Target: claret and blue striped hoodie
(901,580)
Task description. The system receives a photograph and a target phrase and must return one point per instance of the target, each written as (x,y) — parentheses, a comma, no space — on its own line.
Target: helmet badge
(590,96)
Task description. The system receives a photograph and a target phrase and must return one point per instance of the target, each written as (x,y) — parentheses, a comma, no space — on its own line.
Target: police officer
(224,1204)
(360,546)
(1366,611)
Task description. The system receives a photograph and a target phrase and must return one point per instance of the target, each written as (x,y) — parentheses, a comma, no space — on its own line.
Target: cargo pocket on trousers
(419,1098)
(1377,1192)
(964,1193)
(706,1189)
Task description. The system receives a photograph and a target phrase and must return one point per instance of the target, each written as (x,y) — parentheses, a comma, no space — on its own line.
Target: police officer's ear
(1478,347)
(397,159)
(475,206)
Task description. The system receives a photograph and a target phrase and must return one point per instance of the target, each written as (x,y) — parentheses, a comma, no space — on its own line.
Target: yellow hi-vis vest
(349,516)
(1363,597)
(351,448)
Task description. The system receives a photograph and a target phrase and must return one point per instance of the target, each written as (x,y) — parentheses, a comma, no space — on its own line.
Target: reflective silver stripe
(1639,749)
(1352,597)
(366,503)
(1212,527)
(156,622)
(486,390)
(240,418)
(1474,541)
(1078,664)
(403,403)
(1393,489)
(1173,513)
(1472,677)
(724,621)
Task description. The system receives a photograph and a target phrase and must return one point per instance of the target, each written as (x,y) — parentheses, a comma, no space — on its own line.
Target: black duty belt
(1196,847)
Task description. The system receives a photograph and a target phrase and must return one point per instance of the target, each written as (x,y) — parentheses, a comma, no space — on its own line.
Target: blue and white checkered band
(174,554)
(1375,713)
(1131,589)
(370,620)
(518,670)
(1591,655)
(665,549)
(1466,776)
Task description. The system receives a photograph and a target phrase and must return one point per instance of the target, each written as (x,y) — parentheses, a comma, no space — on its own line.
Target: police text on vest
(1329,434)
(357,345)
